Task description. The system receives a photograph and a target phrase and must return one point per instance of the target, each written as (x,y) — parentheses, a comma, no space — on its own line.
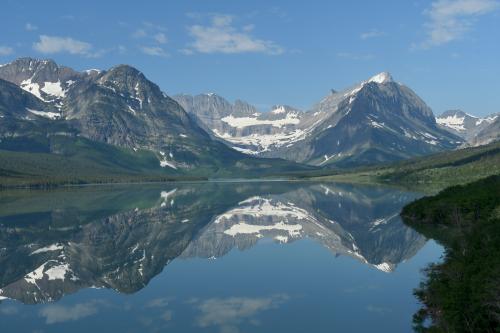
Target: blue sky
(273,52)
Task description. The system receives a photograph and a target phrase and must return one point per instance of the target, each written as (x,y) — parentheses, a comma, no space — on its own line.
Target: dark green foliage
(78,161)
(63,159)
(462,294)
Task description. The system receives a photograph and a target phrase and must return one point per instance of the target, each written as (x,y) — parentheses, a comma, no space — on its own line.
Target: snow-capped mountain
(240,124)
(489,133)
(376,120)
(463,124)
(119,106)
(42,78)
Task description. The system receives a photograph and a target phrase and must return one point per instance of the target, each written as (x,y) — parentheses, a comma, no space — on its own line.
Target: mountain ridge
(314,136)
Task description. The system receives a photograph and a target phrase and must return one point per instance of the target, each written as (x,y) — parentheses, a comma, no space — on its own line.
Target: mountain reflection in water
(58,242)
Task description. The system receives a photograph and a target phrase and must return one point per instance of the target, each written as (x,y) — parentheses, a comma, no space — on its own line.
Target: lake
(210,257)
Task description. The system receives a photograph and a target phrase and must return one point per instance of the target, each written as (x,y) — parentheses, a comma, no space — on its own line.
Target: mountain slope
(463,124)
(377,120)
(490,133)
(241,125)
(428,173)
(118,107)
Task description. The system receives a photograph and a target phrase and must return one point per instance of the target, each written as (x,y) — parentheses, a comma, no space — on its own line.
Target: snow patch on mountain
(489,120)
(385,267)
(31,87)
(52,247)
(166,163)
(54,89)
(455,122)
(45,114)
(242,122)
(259,207)
(278,109)
(381,78)
(92,71)
(244,228)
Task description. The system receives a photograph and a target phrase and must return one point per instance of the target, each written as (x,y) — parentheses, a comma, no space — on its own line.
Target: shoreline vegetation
(431,173)
(462,293)
(428,174)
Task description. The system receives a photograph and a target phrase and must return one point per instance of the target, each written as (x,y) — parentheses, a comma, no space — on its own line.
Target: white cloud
(54,44)
(154,51)
(58,313)
(151,31)
(6,50)
(371,34)
(154,34)
(30,27)
(220,36)
(158,302)
(229,312)
(449,20)
(9,310)
(139,33)
(121,49)
(167,315)
(161,38)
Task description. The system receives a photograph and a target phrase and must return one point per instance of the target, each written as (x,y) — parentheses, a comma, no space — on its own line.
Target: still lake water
(209,257)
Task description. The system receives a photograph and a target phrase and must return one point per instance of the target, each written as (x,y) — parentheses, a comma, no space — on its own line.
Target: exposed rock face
(240,124)
(118,107)
(42,78)
(490,133)
(465,125)
(377,120)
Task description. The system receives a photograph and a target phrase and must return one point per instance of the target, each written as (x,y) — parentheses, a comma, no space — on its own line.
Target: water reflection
(58,242)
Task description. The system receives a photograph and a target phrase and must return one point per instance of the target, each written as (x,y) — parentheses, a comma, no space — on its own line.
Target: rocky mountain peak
(42,78)
(282,109)
(381,78)
(129,81)
(456,112)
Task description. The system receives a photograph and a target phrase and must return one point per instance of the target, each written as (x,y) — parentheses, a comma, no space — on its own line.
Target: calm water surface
(209,257)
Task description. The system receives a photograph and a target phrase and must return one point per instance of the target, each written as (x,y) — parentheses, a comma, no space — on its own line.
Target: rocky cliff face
(487,134)
(476,131)
(463,124)
(240,124)
(376,120)
(120,107)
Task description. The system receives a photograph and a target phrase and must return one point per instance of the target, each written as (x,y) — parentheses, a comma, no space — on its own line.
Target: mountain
(463,124)
(377,120)
(487,134)
(42,78)
(119,107)
(240,124)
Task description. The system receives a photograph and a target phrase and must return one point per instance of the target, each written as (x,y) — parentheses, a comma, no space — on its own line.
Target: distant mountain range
(377,120)
(475,130)
(40,101)
(54,110)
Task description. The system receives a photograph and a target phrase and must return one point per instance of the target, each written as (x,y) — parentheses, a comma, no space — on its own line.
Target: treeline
(461,294)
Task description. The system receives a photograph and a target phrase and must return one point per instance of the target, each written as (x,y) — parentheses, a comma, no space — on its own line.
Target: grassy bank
(429,173)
